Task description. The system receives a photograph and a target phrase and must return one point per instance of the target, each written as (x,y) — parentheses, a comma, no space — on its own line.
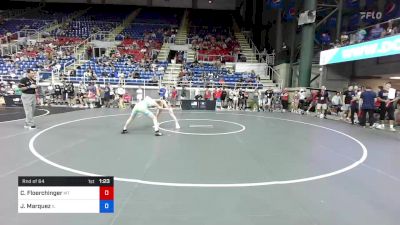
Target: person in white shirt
(197,94)
(235,99)
(121,78)
(121,92)
(86,74)
(302,100)
(260,96)
(139,94)
(143,108)
(337,102)
(82,94)
(231,94)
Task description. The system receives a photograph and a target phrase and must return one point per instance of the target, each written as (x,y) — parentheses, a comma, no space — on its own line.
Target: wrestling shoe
(124,131)
(157,133)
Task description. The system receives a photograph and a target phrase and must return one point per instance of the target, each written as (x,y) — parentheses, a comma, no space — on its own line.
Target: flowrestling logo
(371,15)
(372,49)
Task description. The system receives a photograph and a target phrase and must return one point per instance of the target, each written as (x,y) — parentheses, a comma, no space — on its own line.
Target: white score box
(58,193)
(58,206)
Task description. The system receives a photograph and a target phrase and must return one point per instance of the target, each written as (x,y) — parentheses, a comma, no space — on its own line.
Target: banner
(372,49)
(371,17)
(391,9)
(290,12)
(370,3)
(275,4)
(353,4)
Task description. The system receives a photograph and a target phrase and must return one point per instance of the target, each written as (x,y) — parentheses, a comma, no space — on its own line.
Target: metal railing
(210,58)
(390,27)
(260,57)
(274,75)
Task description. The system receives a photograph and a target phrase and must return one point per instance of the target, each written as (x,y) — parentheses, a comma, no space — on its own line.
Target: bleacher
(151,26)
(110,73)
(212,37)
(83,29)
(220,74)
(14,25)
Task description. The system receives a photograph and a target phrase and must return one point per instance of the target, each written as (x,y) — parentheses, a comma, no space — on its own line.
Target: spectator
(348,95)
(337,102)
(217,97)
(139,94)
(354,106)
(302,100)
(386,97)
(162,92)
(28,88)
(107,95)
(285,99)
(224,94)
(207,94)
(183,93)
(322,104)
(241,100)
(120,93)
(295,102)
(360,35)
(368,98)
(325,39)
(174,96)
(376,32)
(391,29)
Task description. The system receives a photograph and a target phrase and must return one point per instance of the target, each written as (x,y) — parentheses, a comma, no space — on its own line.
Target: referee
(28,97)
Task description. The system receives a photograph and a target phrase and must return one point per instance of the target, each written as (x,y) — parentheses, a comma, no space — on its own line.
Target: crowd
(356,105)
(364,34)
(215,75)
(214,43)
(67,94)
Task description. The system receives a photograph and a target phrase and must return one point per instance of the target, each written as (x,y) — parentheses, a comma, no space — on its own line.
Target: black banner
(65,181)
(198,104)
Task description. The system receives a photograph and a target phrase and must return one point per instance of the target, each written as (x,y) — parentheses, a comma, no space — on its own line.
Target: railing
(143,83)
(210,58)
(68,63)
(261,57)
(54,72)
(157,84)
(103,36)
(14,12)
(169,40)
(83,44)
(229,85)
(364,34)
(274,75)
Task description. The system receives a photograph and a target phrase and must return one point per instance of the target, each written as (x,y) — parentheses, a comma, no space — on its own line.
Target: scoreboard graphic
(65,194)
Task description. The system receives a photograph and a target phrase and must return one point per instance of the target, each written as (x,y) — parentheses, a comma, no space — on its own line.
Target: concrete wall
(283,71)
(337,76)
(315,72)
(372,72)
(259,68)
(377,66)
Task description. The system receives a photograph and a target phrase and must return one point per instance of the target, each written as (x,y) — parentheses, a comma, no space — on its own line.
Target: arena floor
(220,168)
